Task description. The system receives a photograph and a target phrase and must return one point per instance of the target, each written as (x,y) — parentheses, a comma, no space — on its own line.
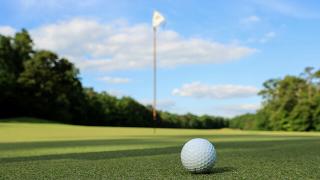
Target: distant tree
(14,51)
(7,75)
(301,118)
(291,103)
(316,113)
(41,84)
(269,92)
(246,122)
(23,50)
(51,86)
(133,113)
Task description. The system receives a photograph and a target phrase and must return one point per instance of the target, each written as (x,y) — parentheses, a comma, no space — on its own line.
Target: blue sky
(213,55)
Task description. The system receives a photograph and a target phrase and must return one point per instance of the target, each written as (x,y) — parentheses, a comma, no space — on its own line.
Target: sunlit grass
(49,150)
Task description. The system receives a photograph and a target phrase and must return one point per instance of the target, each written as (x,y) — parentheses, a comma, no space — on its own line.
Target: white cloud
(114,80)
(267,37)
(117,93)
(250,20)
(7,30)
(264,39)
(119,46)
(237,109)
(199,90)
(164,104)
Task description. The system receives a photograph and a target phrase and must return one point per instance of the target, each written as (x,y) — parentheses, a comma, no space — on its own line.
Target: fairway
(56,151)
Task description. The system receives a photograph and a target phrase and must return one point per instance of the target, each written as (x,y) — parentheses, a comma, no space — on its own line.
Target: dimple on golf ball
(198,155)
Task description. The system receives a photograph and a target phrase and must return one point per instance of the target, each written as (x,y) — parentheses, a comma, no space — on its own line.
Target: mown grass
(56,151)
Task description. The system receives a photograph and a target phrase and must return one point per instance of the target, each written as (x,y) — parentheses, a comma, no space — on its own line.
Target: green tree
(133,113)
(14,51)
(23,50)
(51,86)
(316,113)
(43,85)
(285,98)
(291,103)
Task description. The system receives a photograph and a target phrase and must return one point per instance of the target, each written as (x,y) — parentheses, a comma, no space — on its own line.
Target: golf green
(56,151)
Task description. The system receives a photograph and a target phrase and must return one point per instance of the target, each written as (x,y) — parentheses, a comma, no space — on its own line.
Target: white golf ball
(198,155)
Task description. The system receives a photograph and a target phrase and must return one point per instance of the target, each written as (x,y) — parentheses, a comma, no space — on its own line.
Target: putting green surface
(56,151)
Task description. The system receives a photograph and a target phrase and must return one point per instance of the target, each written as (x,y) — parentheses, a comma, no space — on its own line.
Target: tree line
(291,103)
(39,83)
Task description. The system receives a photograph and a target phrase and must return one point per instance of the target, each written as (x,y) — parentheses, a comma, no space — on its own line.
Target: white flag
(157,19)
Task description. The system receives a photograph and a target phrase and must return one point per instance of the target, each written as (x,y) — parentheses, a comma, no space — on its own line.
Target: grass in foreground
(55,151)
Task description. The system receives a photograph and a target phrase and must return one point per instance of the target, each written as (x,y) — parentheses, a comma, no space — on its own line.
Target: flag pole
(154,109)
(157,19)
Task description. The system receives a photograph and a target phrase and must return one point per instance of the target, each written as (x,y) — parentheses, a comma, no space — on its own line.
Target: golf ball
(198,155)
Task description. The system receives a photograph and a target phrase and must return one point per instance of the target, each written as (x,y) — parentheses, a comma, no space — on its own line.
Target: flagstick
(154,112)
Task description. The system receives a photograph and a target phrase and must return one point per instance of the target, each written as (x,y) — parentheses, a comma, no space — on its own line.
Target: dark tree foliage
(14,52)
(50,87)
(41,84)
(246,121)
(290,104)
(192,121)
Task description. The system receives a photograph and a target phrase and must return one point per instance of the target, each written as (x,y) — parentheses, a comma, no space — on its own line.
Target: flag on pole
(157,19)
